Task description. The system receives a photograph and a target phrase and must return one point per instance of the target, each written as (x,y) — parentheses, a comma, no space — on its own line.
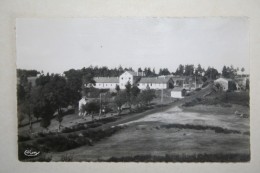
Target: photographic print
(144,89)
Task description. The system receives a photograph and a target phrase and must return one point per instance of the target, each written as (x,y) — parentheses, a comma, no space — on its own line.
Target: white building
(121,81)
(106,82)
(129,76)
(155,83)
(178,92)
(134,78)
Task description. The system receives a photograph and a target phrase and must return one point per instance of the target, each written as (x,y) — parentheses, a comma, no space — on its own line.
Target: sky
(57,45)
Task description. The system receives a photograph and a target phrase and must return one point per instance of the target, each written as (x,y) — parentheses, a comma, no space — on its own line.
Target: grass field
(190,133)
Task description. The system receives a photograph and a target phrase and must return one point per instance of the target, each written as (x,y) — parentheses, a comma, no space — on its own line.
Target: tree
(25,104)
(140,69)
(225,72)
(27,73)
(146,96)
(120,100)
(211,73)
(91,108)
(189,70)
(50,95)
(180,70)
(56,93)
(135,91)
(47,114)
(242,70)
(199,70)
(88,79)
(74,83)
(164,71)
(117,88)
(229,72)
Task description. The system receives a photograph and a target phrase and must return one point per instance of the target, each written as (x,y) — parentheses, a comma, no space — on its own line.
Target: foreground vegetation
(183,158)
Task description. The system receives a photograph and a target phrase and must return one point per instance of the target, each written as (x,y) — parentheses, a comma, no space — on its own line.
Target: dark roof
(106,79)
(154,80)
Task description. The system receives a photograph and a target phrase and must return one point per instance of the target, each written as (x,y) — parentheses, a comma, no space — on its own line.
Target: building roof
(154,80)
(106,79)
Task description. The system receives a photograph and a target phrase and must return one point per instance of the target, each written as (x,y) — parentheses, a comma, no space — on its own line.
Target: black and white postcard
(133,89)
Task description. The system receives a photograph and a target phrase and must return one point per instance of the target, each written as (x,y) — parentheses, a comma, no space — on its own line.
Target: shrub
(201,157)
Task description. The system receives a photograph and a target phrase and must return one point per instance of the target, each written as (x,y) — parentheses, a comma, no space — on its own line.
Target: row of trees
(231,72)
(50,94)
(132,96)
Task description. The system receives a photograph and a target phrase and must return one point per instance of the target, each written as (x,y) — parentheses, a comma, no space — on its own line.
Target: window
(129,78)
(122,78)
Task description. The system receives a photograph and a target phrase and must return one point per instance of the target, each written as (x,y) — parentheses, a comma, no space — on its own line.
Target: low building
(106,82)
(156,83)
(178,92)
(137,79)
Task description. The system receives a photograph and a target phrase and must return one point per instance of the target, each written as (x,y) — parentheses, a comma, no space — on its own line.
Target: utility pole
(100,104)
(162,96)
(195,82)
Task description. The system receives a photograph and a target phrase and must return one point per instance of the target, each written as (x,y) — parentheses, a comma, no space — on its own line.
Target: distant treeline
(182,70)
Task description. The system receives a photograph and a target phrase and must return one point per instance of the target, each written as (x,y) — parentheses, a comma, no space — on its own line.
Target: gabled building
(129,76)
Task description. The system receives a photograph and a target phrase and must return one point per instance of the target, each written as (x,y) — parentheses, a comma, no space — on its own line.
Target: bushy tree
(189,70)
(74,83)
(91,107)
(146,96)
(51,94)
(117,88)
(25,104)
(180,70)
(211,73)
(229,72)
(164,71)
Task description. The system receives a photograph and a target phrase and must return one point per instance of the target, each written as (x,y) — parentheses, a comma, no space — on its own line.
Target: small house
(178,92)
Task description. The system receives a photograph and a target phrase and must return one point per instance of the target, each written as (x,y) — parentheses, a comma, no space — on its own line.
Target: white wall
(176,94)
(106,85)
(152,86)
(124,78)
